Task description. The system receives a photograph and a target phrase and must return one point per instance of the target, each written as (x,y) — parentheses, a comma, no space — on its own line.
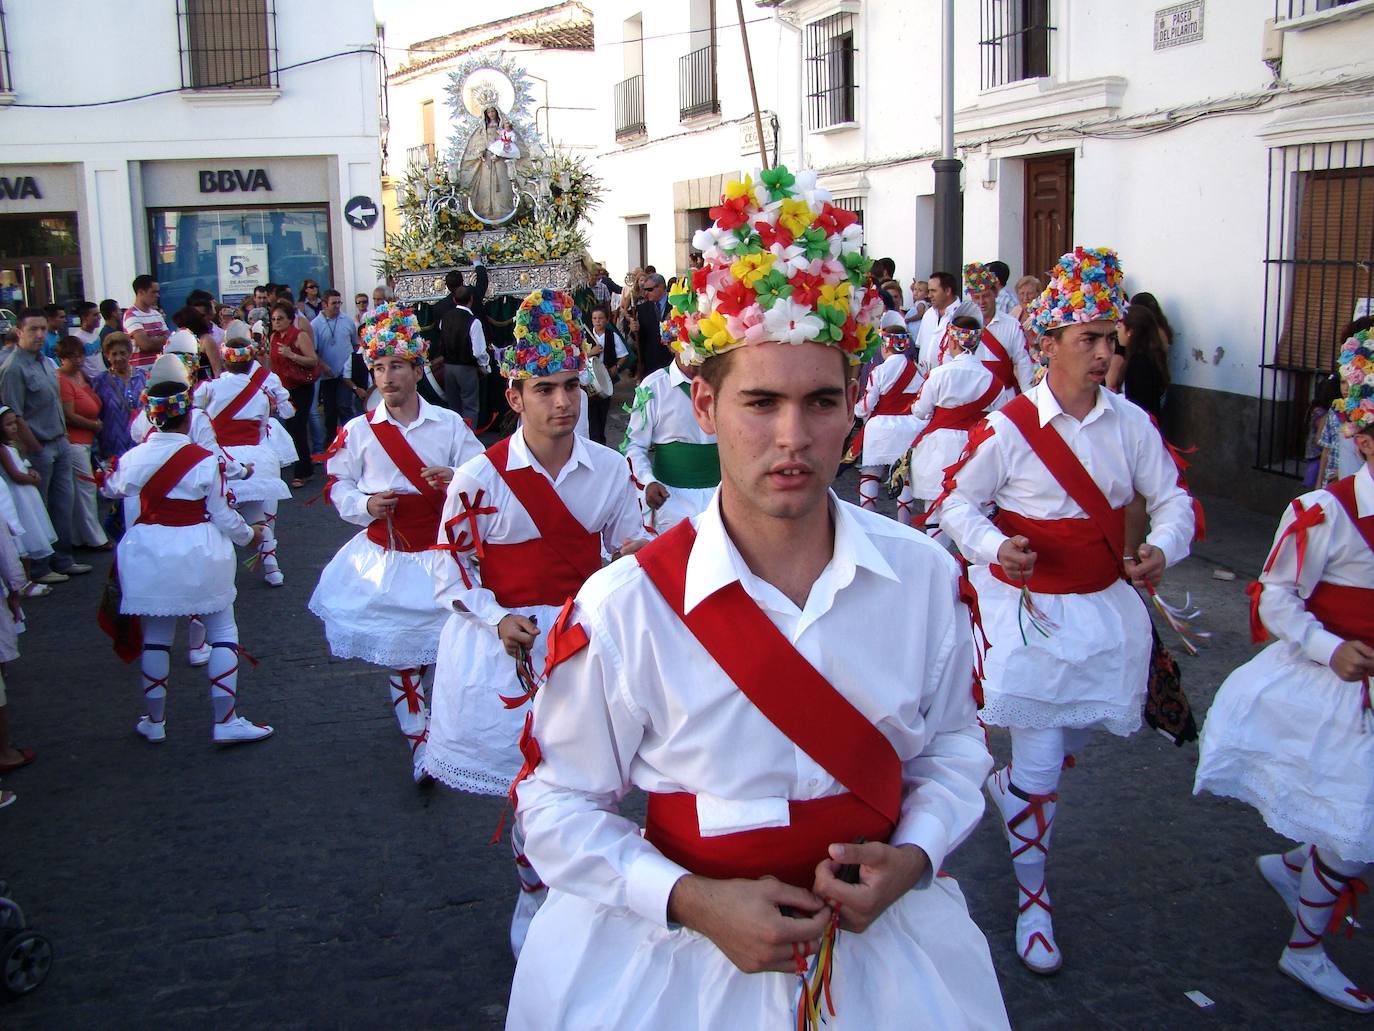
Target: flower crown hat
(958,338)
(780,263)
(1355,407)
(165,406)
(390,331)
(1085,286)
(548,337)
(238,343)
(894,333)
(978,277)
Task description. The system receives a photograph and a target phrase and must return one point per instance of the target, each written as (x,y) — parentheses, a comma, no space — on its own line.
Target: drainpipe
(949,213)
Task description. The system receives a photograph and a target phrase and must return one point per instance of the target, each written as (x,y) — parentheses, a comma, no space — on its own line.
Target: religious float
(500,196)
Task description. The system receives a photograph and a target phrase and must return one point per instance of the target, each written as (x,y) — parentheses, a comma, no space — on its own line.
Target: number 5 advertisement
(241,267)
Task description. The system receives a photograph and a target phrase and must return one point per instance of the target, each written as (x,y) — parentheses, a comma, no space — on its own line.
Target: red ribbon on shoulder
(1304,520)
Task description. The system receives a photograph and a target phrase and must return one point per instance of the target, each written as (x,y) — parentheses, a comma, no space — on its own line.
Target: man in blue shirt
(57,328)
(336,338)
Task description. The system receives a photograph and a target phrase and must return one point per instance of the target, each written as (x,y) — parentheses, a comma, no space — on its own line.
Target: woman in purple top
(120,390)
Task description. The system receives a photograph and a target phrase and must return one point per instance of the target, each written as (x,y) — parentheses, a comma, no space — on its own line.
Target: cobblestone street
(305,882)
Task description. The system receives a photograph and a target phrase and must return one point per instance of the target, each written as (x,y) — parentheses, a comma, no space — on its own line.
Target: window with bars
(831,83)
(1014,41)
(1319,276)
(1285,10)
(228,44)
(854,204)
(6,83)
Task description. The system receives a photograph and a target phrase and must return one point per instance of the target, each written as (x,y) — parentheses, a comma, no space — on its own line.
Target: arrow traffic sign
(360,212)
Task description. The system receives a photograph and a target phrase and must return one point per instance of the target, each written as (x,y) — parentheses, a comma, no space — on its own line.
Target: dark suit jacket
(654,353)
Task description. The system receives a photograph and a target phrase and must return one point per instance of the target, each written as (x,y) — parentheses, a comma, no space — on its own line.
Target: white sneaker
(418,772)
(1035,942)
(525,907)
(199,656)
(152,731)
(1313,968)
(274,578)
(240,731)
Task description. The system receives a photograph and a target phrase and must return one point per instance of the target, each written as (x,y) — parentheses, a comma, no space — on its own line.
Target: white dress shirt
(959,381)
(644,705)
(1006,300)
(1335,553)
(594,484)
(666,417)
(362,467)
(1013,338)
(886,437)
(932,331)
(1117,445)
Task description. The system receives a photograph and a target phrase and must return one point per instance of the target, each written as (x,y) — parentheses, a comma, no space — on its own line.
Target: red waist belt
(960,417)
(1348,612)
(1071,555)
(238,432)
(414,525)
(538,572)
(788,853)
(175,512)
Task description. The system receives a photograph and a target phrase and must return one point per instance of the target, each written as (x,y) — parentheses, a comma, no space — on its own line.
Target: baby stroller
(25,956)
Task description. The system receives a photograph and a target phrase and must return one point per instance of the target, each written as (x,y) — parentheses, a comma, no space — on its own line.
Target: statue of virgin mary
(494,159)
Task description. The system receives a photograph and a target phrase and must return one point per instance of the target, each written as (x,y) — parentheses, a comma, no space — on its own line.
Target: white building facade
(1224,147)
(233,142)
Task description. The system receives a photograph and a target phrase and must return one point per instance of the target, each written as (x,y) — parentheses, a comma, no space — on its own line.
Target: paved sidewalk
(305,882)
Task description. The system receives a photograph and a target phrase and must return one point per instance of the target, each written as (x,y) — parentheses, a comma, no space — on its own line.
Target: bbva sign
(21,187)
(231,180)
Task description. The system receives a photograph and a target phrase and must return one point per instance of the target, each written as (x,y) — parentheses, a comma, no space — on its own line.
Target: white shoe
(1035,942)
(1313,968)
(240,731)
(199,656)
(274,578)
(152,731)
(525,907)
(418,772)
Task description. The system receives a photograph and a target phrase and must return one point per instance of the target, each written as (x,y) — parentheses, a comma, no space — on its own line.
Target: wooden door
(1049,212)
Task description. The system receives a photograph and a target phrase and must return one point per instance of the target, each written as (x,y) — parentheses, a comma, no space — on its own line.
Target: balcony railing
(1286,10)
(696,83)
(420,156)
(629,107)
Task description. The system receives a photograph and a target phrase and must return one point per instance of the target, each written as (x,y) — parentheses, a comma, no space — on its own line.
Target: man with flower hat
(885,407)
(177,558)
(1069,639)
(239,405)
(802,792)
(1290,731)
(1002,343)
(387,472)
(673,459)
(524,525)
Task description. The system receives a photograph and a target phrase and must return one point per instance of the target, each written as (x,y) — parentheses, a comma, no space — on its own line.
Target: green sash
(679,464)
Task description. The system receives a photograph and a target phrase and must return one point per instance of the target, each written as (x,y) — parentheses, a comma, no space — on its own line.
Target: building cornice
(1040,100)
(235,97)
(1328,122)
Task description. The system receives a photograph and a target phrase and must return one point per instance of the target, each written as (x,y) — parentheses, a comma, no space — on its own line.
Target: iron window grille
(1286,10)
(420,156)
(629,107)
(831,83)
(696,83)
(228,44)
(1318,267)
(854,204)
(1014,42)
(6,83)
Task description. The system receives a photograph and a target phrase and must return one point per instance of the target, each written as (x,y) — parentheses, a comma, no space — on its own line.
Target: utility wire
(181,89)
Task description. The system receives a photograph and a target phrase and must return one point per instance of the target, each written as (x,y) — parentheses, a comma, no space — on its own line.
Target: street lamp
(949,206)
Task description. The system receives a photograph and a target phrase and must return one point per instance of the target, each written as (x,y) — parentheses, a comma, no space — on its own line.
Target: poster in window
(241,267)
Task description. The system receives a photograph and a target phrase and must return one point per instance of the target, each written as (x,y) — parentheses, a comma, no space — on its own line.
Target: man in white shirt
(144,323)
(673,459)
(945,303)
(1069,638)
(1006,300)
(796,785)
(464,350)
(1002,344)
(88,332)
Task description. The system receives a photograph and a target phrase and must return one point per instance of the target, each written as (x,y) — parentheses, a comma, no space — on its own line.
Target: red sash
(893,400)
(1105,526)
(775,677)
(415,519)
(553,566)
(156,508)
(963,417)
(1002,368)
(232,432)
(1348,612)
(1343,490)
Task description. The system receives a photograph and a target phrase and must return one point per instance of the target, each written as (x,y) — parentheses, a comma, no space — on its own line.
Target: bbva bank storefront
(217,224)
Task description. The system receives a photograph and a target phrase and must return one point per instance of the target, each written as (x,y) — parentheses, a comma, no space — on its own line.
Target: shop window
(831,83)
(40,260)
(195,249)
(1319,277)
(228,44)
(1014,41)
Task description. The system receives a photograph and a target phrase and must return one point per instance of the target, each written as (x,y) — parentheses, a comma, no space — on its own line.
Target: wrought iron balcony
(629,107)
(420,156)
(696,83)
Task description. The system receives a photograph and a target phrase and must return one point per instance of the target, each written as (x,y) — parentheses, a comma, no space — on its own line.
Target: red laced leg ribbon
(868,491)
(1026,845)
(1324,889)
(155,686)
(408,702)
(226,682)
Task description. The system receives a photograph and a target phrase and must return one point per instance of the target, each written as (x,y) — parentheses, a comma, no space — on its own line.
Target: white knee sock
(408,702)
(223,668)
(195,633)
(906,505)
(157,665)
(868,487)
(1326,880)
(267,550)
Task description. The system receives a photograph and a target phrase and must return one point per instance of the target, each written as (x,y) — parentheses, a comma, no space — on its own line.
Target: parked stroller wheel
(24,963)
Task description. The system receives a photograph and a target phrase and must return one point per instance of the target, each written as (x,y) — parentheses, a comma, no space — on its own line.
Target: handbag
(125,632)
(292,375)
(1166,706)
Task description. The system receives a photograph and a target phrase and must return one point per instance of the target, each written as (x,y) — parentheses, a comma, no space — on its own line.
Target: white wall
(328,110)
